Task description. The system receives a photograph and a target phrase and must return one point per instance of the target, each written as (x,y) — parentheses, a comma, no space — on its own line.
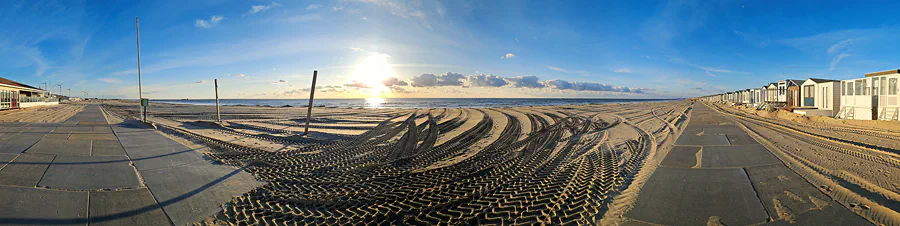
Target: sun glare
(372,71)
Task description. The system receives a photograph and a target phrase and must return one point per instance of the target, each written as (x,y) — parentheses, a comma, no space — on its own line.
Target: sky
(429,49)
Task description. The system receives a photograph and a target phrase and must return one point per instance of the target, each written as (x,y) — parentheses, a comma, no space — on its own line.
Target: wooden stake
(218,115)
(312,92)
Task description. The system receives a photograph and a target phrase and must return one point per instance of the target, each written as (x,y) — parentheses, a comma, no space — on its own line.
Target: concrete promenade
(85,171)
(717,173)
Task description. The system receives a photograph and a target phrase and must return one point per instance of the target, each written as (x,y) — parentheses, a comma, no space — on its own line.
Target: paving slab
(6,158)
(802,203)
(57,136)
(62,147)
(126,207)
(737,156)
(26,170)
(74,129)
(107,147)
(32,206)
(740,139)
(102,129)
(693,139)
(678,196)
(14,143)
(90,173)
(150,138)
(92,136)
(718,129)
(144,160)
(96,123)
(681,156)
(191,193)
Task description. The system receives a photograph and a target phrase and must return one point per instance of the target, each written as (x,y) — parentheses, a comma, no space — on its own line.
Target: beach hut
(17,95)
(885,95)
(820,97)
(755,96)
(771,93)
(788,93)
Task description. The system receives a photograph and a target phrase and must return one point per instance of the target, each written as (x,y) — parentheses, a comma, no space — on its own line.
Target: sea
(408,102)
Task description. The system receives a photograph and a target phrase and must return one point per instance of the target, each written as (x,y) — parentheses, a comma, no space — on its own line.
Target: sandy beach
(554,164)
(584,164)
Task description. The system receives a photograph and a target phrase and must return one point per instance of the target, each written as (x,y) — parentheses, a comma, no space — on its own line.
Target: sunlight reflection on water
(374,102)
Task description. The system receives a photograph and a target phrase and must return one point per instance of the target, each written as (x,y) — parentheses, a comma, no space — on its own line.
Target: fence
(38,99)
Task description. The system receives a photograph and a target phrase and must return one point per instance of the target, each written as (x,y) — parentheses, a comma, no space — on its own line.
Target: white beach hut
(821,97)
(862,98)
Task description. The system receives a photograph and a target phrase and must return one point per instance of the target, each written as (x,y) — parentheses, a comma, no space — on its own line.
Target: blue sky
(268,49)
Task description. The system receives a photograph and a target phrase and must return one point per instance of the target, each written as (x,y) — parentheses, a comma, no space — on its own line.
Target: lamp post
(137,32)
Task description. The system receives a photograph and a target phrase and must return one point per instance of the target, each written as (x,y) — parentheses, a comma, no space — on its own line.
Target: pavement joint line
(756,194)
(75,190)
(11,160)
(720,168)
(179,165)
(45,171)
(88,208)
(136,171)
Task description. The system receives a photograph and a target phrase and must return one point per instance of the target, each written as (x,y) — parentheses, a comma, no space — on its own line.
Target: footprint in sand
(714,221)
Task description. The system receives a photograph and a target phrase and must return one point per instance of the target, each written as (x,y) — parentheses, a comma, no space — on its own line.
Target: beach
(545,164)
(640,163)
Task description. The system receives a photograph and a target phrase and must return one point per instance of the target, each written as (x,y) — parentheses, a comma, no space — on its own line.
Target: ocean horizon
(407,102)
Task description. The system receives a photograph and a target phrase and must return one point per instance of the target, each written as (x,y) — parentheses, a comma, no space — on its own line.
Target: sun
(372,71)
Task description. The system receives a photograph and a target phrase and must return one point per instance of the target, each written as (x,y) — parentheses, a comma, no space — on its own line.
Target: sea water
(410,102)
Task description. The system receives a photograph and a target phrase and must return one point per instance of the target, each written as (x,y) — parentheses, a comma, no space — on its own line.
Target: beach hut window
(875,86)
(883,86)
(850,88)
(892,87)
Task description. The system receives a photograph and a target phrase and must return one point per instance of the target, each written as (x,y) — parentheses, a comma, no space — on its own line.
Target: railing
(37,99)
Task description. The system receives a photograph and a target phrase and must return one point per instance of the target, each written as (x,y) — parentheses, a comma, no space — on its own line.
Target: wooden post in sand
(312,92)
(218,116)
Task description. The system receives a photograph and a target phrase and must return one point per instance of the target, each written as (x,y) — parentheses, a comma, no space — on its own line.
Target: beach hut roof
(820,80)
(7,82)
(888,72)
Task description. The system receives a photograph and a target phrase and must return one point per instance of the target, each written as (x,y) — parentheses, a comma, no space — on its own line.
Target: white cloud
(402,10)
(623,70)
(303,18)
(237,75)
(508,55)
(711,74)
(260,8)
(558,69)
(125,72)
(201,81)
(337,8)
(837,59)
(280,82)
(706,68)
(841,45)
(313,6)
(213,21)
(110,80)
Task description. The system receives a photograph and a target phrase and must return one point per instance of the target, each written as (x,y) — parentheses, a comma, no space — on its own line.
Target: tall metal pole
(312,92)
(137,32)
(218,115)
